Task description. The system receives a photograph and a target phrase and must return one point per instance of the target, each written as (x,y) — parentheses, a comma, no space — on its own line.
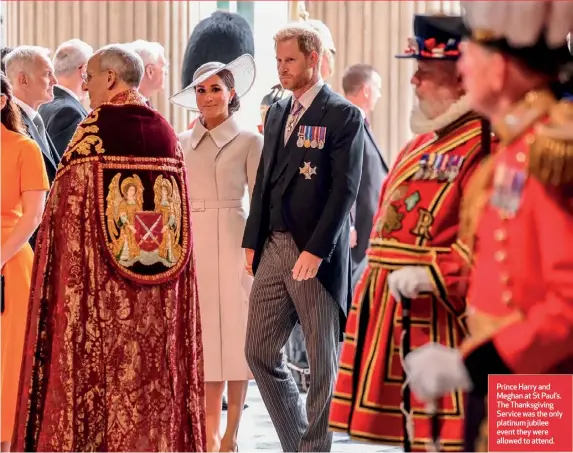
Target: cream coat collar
(221,135)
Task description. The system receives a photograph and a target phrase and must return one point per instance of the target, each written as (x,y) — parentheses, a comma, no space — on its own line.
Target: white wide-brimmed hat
(242,68)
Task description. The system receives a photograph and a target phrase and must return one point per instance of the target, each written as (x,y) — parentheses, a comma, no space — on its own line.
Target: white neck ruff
(420,124)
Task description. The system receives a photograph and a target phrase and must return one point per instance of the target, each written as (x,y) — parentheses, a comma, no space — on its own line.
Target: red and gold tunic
(416,224)
(520,301)
(113,354)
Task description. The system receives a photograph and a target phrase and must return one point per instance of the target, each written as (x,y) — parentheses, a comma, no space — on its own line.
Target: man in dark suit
(31,74)
(361,85)
(297,239)
(63,114)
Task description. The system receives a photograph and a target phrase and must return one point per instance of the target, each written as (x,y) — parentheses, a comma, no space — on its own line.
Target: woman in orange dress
(24,187)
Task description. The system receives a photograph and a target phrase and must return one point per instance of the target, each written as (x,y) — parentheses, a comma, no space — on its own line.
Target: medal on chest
(508,185)
(300,137)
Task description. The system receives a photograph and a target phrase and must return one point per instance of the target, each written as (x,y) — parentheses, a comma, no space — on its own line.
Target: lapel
(58,92)
(33,133)
(275,124)
(312,117)
(371,138)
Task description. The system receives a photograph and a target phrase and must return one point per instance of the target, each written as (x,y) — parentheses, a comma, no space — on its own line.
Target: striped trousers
(275,303)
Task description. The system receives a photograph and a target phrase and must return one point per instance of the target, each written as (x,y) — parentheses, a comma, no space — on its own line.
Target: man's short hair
(23,59)
(150,52)
(355,77)
(308,38)
(120,59)
(71,55)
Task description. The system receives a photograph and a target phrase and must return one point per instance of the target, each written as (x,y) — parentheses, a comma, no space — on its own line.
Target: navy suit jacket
(316,210)
(61,117)
(374,170)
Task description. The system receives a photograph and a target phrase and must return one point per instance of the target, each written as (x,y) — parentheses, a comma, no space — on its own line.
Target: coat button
(520,157)
(506,297)
(500,256)
(504,278)
(500,235)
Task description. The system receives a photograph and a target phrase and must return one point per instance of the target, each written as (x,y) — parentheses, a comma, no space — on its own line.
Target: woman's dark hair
(229,80)
(11,117)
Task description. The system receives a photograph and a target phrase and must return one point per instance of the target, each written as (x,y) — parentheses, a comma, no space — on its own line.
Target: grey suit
(51,158)
(374,170)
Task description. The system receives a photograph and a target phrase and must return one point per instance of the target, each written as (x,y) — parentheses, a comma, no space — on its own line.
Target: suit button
(504,279)
(500,256)
(500,235)
(506,297)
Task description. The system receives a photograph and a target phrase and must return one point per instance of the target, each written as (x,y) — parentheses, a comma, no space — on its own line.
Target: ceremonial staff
(406,396)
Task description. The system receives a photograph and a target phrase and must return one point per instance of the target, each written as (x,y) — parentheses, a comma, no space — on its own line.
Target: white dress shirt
(305,101)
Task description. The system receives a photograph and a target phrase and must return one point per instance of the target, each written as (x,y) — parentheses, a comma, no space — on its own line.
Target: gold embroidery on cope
(85,128)
(139,236)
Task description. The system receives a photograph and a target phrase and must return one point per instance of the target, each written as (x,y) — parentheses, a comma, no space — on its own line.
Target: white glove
(409,282)
(435,370)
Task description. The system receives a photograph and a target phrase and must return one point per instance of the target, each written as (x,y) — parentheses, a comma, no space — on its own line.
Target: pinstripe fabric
(276,299)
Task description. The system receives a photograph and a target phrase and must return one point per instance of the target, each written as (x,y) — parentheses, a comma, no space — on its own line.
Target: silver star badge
(307,170)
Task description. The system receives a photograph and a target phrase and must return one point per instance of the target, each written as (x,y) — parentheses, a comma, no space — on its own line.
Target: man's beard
(431,109)
(430,116)
(300,81)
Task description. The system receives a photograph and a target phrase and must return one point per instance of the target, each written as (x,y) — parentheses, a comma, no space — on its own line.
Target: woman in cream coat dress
(221,161)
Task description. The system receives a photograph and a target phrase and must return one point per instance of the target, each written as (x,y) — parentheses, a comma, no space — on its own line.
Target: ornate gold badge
(144,236)
(307,170)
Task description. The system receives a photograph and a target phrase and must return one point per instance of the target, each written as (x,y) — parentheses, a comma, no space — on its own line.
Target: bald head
(111,70)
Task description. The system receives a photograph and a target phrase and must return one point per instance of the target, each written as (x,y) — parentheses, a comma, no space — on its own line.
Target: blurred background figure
(155,64)
(24,187)
(327,62)
(62,115)
(361,85)
(3,52)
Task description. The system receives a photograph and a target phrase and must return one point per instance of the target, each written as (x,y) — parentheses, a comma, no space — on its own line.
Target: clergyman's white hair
(23,59)
(120,59)
(150,52)
(71,55)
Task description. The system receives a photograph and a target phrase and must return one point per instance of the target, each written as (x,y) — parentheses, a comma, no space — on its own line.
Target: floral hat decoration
(436,37)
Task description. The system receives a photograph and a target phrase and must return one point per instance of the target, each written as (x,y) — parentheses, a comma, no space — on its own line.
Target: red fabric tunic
(521,292)
(417,223)
(113,353)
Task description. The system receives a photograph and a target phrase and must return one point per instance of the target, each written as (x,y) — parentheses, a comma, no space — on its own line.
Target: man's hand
(306,266)
(409,281)
(435,370)
(249,254)
(353,238)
